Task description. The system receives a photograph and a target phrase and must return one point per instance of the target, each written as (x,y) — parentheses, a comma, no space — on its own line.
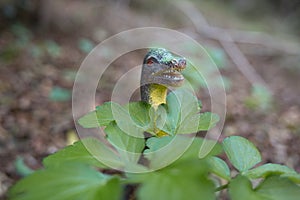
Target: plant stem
(222,187)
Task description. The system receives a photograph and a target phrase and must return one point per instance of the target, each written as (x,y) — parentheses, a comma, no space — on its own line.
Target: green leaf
(104,153)
(181,105)
(241,188)
(52,48)
(195,150)
(85,45)
(139,113)
(277,188)
(77,152)
(292,176)
(89,120)
(67,182)
(133,117)
(21,168)
(166,150)
(207,121)
(272,188)
(183,115)
(156,143)
(21,31)
(218,56)
(102,116)
(104,113)
(180,115)
(128,146)
(241,152)
(189,125)
(186,181)
(204,121)
(268,170)
(125,122)
(60,94)
(261,98)
(219,167)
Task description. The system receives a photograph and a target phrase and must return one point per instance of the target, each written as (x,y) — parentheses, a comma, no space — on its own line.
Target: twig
(252,37)
(239,36)
(227,39)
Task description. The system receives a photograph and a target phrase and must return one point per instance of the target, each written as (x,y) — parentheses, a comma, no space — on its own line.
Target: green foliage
(21,168)
(181,115)
(60,94)
(268,170)
(24,42)
(102,116)
(124,143)
(279,182)
(22,33)
(52,48)
(78,152)
(9,53)
(207,121)
(138,113)
(273,187)
(69,75)
(165,150)
(219,167)
(184,181)
(242,154)
(85,45)
(68,182)
(176,168)
(218,56)
(36,51)
(260,98)
(89,120)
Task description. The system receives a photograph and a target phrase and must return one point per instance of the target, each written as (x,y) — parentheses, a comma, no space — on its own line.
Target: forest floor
(39,61)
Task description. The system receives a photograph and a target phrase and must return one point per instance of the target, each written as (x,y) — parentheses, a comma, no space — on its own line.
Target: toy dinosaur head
(162,67)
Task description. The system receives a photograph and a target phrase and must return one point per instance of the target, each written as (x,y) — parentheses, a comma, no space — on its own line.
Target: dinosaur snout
(179,63)
(182,63)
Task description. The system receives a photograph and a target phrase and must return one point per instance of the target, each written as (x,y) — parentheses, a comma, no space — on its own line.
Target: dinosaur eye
(150,61)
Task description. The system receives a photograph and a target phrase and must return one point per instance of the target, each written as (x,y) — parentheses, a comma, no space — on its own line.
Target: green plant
(78,171)
(260,98)
(59,94)
(85,45)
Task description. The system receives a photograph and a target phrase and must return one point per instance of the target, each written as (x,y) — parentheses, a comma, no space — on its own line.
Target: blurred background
(255,45)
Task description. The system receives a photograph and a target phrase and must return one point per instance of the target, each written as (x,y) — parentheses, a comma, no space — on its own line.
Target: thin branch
(239,36)
(222,187)
(225,40)
(252,37)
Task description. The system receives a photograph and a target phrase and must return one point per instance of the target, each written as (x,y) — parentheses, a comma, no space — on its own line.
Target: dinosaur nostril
(182,62)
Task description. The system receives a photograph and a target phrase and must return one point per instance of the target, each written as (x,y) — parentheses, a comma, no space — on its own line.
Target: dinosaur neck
(154,94)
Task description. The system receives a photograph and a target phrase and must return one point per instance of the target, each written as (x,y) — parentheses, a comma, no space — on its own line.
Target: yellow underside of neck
(157,94)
